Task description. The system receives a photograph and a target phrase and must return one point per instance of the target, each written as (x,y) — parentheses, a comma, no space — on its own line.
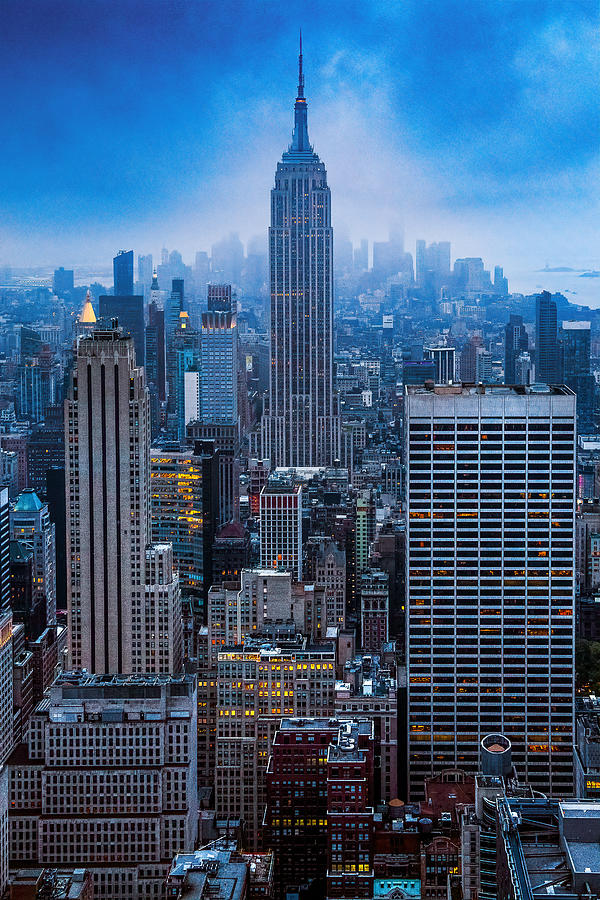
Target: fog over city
(474,122)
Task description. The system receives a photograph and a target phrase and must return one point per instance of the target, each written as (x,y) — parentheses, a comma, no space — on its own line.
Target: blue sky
(159,123)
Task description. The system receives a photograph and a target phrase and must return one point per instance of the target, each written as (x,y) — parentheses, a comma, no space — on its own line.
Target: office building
(108,775)
(483,366)
(418,371)
(516,341)
(281,526)
(226,440)
(123,273)
(325,567)
(160,648)
(28,607)
(107,436)
(218,417)
(31,526)
(361,256)
(258,683)
(262,598)
(444,359)
(548,369)
(184,507)
(155,349)
(468,358)
(145,272)
(296,812)
(128,311)
(5,590)
(301,424)
(576,347)
(365,530)
(500,282)
(63,281)
(432,264)
(219,358)
(490,582)
(524,369)
(45,451)
(230,554)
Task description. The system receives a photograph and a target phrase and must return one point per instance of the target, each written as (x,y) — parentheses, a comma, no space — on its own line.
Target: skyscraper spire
(300,73)
(300,143)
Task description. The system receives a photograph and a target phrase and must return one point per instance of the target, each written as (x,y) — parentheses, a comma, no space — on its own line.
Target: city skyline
(124,156)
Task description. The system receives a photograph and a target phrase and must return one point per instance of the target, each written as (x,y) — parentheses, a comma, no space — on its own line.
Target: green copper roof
(28,501)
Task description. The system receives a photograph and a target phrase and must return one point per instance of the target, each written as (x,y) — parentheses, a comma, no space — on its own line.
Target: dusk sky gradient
(149,124)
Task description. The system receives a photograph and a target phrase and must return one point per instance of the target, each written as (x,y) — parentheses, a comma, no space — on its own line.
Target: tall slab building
(490,588)
(108,512)
(300,426)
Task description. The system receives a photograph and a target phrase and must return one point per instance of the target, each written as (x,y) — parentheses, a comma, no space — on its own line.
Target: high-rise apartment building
(516,341)
(123,273)
(548,369)
(490,578)
(301,424)
(281,526)
(258,683)
(107,437)
(108,777)
(30,525)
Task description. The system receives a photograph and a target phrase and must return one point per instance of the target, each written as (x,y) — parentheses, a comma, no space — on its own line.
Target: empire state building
(301,425)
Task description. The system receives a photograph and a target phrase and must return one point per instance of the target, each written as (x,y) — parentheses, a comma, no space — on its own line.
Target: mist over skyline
(154,124)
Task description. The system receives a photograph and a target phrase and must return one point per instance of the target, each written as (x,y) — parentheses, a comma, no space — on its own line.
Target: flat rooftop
(83,678)
(497,390)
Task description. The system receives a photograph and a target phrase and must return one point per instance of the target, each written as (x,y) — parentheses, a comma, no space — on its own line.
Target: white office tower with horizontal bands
(490,589)
(301,425)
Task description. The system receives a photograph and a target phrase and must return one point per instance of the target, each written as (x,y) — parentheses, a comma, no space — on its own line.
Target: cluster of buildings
(290,613)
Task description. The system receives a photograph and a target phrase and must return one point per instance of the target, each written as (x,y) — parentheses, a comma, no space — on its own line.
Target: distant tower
(301,423)
(547,359)
(123,273)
